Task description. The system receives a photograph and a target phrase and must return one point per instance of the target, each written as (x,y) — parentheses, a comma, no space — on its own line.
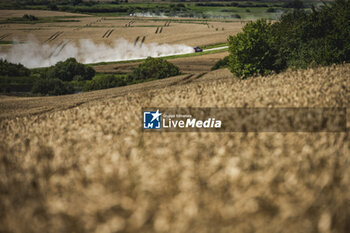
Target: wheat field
(90,168)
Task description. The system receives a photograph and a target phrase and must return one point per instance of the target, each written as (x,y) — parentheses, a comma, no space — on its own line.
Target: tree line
(299,39)
(70,76)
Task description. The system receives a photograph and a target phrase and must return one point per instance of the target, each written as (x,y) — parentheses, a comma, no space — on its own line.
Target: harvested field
(88,167)
(97,29)
(4,14)
(195,64)
(50,42)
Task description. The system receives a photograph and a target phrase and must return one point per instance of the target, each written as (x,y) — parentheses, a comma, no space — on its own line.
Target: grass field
(81,163)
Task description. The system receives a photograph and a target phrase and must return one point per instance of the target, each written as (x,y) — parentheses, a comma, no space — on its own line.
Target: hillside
(88,167)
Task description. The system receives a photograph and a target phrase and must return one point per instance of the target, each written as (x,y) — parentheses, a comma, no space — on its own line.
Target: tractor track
(53,36)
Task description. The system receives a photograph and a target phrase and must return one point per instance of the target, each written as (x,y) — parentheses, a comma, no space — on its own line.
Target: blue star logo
(151,120)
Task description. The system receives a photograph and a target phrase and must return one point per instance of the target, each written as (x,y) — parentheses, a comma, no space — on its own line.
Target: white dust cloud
(33,54)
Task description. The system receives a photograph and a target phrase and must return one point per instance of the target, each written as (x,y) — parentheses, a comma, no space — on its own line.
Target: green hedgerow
(154,68)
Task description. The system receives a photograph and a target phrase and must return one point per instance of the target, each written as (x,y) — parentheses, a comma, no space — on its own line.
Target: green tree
(320,37)
(51,87)
(53,7)
(154,68)
(66,70)
(12,70)
(103,82)
(252,51)
(296,4)
(298,40)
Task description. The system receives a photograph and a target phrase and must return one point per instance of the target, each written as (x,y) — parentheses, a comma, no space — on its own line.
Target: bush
(53,7)
(271,10)
(222,63)
(154,68)
(51,87)
(252,51)
(67,70)
(30,17)
(103,82)
(296,4)
(228,10)
(13,70)
(236,16)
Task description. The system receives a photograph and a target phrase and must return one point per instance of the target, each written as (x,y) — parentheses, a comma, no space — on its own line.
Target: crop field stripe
(51,37)
(199,75)
(54,36)
(191,78)
(55,49)
(103,36)
(182,81)
(137,39)
(57,35)
(105,33)
(143,40)
(62,47)
(110,33)
(4,36)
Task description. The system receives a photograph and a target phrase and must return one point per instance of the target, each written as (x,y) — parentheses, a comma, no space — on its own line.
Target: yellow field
(191,33)
(80,163)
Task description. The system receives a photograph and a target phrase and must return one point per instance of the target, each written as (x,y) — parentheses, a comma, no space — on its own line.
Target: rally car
(197,49)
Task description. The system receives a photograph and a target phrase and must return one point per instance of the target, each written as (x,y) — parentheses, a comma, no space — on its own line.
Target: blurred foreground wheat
(91,169)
